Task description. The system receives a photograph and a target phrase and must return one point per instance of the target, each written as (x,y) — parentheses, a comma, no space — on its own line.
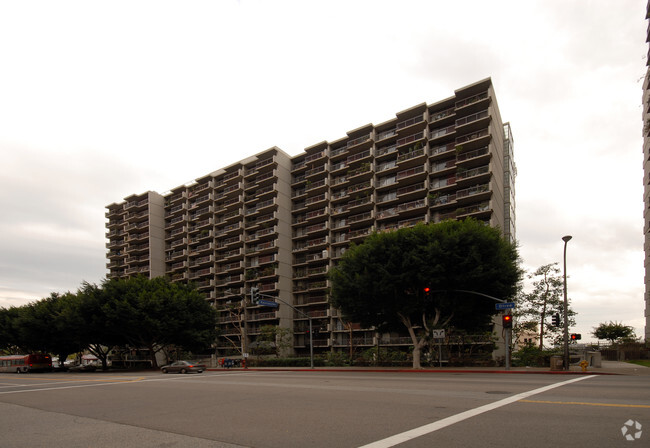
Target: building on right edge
(646,182)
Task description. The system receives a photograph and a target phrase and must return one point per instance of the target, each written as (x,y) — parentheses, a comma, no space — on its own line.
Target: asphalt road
(323,409)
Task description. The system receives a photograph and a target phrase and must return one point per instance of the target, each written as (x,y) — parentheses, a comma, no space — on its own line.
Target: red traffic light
(576,336)
(506,320)
(426,290)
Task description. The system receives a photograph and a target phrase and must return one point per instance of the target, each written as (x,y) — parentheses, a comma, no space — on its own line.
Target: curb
(320,369)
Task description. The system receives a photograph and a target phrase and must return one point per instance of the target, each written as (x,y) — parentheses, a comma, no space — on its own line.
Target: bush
(286,362)
(532,356)
(336,359)
(388,357)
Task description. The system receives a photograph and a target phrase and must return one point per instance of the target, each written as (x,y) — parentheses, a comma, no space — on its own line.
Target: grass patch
(641,362)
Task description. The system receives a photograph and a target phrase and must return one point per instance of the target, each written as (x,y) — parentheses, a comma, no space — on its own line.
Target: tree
(272,339)
(98,333)
(50,325)
(10,340)
(535,309)
(155,313)
(382,280)
(614,332)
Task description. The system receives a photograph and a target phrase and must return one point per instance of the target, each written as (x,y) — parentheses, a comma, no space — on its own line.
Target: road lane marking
(99,382)
(440,424)
(86,383)
(583,403)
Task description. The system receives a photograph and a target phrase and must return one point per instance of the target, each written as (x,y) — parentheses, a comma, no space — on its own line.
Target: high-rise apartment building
(279,223)
(646,182)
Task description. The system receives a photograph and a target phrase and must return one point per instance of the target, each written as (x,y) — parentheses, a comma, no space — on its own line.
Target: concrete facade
(646,183)
(279,223)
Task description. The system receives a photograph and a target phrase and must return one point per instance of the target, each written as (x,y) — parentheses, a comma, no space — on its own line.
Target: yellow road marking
(580,403)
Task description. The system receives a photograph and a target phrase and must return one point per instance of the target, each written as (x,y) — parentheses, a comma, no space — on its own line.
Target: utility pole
(566,239)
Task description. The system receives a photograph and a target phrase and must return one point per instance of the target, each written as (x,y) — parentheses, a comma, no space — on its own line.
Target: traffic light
(255,295)
(576,336)
(556,320)
(506,320)
(427,291)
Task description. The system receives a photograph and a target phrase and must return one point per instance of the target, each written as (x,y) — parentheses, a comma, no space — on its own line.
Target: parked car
(183,367)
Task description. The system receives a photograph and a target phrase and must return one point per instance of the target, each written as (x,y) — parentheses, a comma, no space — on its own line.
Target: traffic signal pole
(508,331)
(311,332)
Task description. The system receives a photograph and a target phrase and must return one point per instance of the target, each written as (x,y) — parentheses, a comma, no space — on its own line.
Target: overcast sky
(101,100)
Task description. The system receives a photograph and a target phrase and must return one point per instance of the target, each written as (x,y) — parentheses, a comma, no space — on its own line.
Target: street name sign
(267,303)
(505,305)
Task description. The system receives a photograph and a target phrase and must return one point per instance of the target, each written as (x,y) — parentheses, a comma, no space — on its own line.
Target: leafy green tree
(273,339)
(382,280)
(155,313)
(10,340)
(535,309)
(49,326)
(614,332)
(98,333)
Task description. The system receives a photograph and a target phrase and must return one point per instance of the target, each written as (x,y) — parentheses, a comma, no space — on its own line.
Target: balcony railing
(410,155)
(409,122)
(471,100)
(442,131)
(442,114)
(470,118)
(386,150)
(386,134)
(358,140)
(473,172)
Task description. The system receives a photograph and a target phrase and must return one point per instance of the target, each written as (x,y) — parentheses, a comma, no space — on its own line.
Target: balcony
(410,206)
(206,259)
(354,219)
(477,156)
(440,200)
(336,153)
(441,132)
(359,187)
(440,150)
(480,174)
(359,140)
(386,213)
(442,182)
(410,123)
(297,166)
(315,171)
(476,192)
(479,211)
(201,248)
(385,150)
(474,121)
(386,134)
(411,172)
(412,157)
(473,140)
(440,115)
(338,166)
(413,138)
(359,233)
(315,186)
(443,166)
(363,200)
(473,103)
(314,157)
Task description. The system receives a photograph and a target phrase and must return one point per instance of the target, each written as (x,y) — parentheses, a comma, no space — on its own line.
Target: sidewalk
(608,368)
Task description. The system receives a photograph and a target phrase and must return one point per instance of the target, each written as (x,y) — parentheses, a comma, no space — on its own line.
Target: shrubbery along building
(279,223)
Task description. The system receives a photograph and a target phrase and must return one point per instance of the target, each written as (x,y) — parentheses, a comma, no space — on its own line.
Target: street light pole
(566,239)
